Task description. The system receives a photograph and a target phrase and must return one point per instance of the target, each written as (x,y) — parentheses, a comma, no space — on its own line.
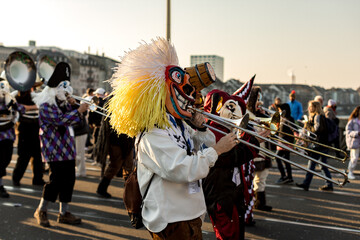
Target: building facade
(87,70)
(216,62)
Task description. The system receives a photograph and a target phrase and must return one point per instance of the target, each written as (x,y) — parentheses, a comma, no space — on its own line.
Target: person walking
(295,106)
(353,140)
(317,124)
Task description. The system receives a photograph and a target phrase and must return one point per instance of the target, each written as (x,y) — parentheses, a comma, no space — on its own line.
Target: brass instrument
(292,125)
(275,121)
(241,126)
(92,106)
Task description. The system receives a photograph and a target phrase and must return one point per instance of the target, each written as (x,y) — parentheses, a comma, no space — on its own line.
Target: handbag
(133,200)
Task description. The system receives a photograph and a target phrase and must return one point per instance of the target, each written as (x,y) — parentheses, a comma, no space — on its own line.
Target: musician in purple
(56,116)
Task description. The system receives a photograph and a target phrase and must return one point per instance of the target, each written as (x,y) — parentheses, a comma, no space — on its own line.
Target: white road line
(310,225)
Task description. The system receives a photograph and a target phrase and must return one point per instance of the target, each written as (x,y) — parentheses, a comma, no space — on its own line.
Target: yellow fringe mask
(138,100)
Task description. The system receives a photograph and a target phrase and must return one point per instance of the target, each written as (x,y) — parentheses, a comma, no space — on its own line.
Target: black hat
(61,73)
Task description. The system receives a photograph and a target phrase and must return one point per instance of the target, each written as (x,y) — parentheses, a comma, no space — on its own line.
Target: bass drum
(20,71)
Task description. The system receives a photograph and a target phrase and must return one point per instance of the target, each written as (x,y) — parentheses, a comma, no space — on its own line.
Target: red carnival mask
(179,92)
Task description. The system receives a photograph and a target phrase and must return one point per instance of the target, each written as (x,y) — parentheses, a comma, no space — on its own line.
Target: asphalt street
(297,214)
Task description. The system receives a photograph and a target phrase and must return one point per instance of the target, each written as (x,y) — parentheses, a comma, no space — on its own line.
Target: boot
(260,202)
(102,188)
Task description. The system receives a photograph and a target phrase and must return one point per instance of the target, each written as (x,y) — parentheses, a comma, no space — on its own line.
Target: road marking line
(310,225)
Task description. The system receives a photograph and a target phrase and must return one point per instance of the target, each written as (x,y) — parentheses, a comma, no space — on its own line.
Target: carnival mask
(231,109)
(179,92)
(62,90)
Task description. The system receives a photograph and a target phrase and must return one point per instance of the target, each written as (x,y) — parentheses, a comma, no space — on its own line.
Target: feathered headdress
(138,98)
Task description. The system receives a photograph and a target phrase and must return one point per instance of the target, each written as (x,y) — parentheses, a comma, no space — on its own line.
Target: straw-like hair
(138,98)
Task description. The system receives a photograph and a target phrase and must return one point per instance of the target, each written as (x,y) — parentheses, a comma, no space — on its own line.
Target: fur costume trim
(138,98)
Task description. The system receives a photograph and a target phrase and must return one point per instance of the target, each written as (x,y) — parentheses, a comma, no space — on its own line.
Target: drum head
(20,71)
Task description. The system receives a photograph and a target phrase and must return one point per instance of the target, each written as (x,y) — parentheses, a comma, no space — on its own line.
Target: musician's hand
(197,120)
(83,107)
(226,143)
(263,133)
(71,100)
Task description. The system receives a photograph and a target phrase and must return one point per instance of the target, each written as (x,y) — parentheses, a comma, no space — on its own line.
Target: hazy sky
(318,39)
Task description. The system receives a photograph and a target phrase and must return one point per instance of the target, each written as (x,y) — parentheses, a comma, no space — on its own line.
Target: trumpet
(273,123)
(92,106)
(241,126)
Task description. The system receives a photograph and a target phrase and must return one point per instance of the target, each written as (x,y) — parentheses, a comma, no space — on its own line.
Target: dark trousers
(6,150)
(29,147)
(62,181)
(180,231)
(117,161)
(285,154)
(312,165)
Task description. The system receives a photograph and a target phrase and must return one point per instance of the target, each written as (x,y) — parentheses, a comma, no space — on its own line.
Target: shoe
(303,186)
(41,217)
(16,183)
(250,223)
(103,194)
(3,193)
(326,188)
(102,188)
(281,180)
(351,176)
(68,218)
(288,180)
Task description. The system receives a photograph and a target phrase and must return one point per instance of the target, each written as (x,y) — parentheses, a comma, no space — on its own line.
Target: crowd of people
(188,163)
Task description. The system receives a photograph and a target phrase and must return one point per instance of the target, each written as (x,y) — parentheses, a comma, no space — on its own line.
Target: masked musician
(57,143)
(29,142)
(228,186)
(150,97)
(8,110)
(262,163)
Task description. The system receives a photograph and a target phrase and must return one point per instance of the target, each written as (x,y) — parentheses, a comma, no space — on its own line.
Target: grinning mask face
(62,90)
(179,92)
(4,89)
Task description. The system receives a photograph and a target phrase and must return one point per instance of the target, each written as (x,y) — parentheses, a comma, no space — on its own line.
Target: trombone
(292,125)
(272,125)
(240,124)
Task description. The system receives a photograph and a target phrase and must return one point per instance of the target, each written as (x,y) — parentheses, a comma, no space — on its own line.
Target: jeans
(312,165)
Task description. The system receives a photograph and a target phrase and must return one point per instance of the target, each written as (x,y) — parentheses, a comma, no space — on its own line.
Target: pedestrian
(120,150)
(28,142)
(58,144)
(287,135)
(295,106)
(330,113)
(317,125)
(274,106)
(262,162)
(353,140)
(150,98)
(8,109)
(319,99)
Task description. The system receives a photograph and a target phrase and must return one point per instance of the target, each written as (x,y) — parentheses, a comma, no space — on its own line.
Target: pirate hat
(61,73)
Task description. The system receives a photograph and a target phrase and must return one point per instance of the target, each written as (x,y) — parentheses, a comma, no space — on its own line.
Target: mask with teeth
(231,109)
(179,92)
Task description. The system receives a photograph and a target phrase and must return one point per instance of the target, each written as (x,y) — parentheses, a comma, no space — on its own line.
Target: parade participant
(8,109)
(276,104)
(317,125)
(57,143)
(150,99)
(295,107)
(285,178)
(28,142)
(120,150)
(226,190)
(262,163)
(353,140)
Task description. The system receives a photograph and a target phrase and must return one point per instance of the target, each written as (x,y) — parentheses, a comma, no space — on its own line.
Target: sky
(316,40)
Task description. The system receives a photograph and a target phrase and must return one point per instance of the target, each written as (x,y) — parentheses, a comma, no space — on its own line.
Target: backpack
(133,200)
(333,129)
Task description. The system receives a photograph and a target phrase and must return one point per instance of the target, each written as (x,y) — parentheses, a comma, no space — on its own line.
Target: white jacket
(175,193)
